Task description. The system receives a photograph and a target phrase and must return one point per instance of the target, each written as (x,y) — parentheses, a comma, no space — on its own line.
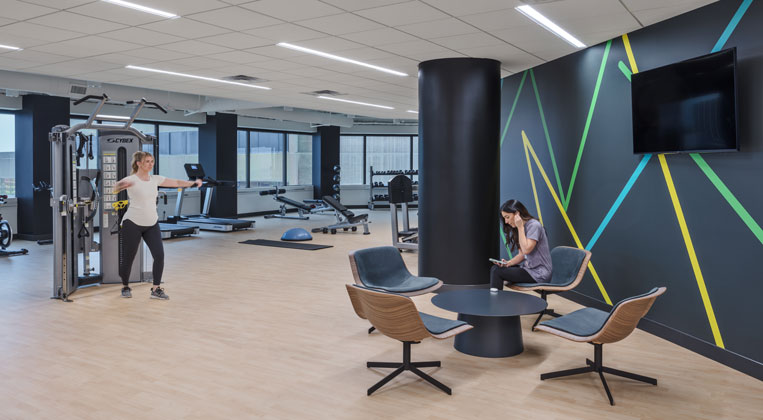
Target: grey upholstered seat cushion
(583,322)
(566,262)
(383,268)
(437,325)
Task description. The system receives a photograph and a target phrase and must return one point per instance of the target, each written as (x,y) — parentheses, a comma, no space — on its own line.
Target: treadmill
(171,230)
(203,221)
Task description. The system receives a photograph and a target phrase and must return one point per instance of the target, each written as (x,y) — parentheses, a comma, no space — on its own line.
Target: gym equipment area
(6,235)
(203,220)
(401,193)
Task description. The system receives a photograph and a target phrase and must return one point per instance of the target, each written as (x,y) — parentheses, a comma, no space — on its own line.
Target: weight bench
(345,219)
(301,207)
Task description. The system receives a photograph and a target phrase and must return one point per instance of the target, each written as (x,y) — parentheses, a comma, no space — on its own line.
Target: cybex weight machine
(79,195)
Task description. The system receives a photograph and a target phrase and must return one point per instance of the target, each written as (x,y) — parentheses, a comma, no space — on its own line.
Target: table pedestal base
(491,336)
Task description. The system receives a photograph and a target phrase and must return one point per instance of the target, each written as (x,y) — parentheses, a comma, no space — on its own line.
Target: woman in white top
(141,220)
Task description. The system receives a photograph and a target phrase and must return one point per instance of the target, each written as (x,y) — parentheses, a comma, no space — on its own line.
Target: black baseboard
(33,237)
(711,351)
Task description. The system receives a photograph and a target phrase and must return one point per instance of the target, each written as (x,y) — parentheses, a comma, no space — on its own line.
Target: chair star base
(406,364)
(597,366)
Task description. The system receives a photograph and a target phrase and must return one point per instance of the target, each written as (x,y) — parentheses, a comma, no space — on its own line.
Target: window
(7,154)
(266,158)
(241,159)
(178,145)
(351,160)
(388,153)
(149,130)
(299,159)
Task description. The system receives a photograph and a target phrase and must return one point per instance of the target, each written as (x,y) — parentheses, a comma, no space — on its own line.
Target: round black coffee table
(497,331)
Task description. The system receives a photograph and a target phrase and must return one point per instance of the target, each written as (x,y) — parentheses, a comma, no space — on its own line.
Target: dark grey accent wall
(34,122)
(217,149)
(642,246)
(325,156)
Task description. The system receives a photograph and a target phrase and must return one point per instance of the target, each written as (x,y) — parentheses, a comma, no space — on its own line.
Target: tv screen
(686,107)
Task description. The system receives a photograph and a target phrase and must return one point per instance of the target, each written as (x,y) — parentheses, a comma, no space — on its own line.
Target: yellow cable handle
(119,205)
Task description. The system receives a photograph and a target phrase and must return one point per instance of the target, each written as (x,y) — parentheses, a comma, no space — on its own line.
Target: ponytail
(138,157)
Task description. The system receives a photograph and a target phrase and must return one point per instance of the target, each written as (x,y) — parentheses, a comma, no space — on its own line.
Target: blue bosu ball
(296,234)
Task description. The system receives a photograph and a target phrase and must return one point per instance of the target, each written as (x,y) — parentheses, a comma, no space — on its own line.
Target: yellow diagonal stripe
(692,255)
(529,147)
(532,181)
(629,51)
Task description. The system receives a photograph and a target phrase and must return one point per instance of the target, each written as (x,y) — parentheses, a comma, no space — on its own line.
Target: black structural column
(459,118)
(217,154)
(325,156)
(39,114)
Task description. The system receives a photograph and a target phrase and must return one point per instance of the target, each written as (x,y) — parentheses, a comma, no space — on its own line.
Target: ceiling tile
(292,10)
(192,63)
(501,19)
(185,28)
(403,14)
(239,57)
(461,8)
(142,36)
(638,5)
(74,67)
(275,52)
(86,24)
(285,32)
(15,64)
(123,59)
(4,21)
(193,47)
(156,54)
(236,40)
(329,44)
(58,4)
(652,16)
(40,32)
(235,18)
(479,39)
(86,46)
(439,28)
(353,5)
(13,9)
(379,36)
(340,24)
(113,13)
(36,56)
(107,76)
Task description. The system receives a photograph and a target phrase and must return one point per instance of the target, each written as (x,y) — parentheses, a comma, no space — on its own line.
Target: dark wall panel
(643,246)
(217,149)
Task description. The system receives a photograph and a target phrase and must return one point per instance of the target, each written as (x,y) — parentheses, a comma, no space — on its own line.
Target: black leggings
(131,236)
(512,274)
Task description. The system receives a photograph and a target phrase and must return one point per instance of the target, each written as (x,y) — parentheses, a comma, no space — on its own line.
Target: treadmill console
(194,171)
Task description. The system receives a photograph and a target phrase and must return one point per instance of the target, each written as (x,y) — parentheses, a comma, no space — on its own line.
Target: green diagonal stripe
(726,193)
(516,98)
(503,236)
(588,122)
(548,138)
(626,71)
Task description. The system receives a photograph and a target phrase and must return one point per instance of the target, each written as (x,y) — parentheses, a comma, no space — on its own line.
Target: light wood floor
(257,332)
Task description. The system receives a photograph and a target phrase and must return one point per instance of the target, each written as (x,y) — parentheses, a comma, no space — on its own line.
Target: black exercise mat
(284,244)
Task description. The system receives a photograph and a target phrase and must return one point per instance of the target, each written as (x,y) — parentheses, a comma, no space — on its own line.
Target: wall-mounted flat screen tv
(686,107)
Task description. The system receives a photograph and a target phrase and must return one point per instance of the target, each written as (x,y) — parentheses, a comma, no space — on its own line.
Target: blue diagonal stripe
(619,200)
(732,25)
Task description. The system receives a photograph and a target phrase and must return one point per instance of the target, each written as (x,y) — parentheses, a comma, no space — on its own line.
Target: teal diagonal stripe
(513,106)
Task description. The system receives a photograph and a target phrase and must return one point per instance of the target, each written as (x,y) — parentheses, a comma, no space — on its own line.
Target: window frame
(284,146)
(365,149)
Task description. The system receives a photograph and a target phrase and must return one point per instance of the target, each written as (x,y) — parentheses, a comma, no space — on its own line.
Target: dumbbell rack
(377,191)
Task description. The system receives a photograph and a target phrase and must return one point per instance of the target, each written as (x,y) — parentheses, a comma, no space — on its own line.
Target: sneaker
(158,293)
(126,292)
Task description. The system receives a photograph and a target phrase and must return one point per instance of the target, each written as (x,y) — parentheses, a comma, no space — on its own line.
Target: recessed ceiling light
(10,48)
(141,8)
(193,76)
(338,58)
(355,102)
(552,27)
(412,111)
